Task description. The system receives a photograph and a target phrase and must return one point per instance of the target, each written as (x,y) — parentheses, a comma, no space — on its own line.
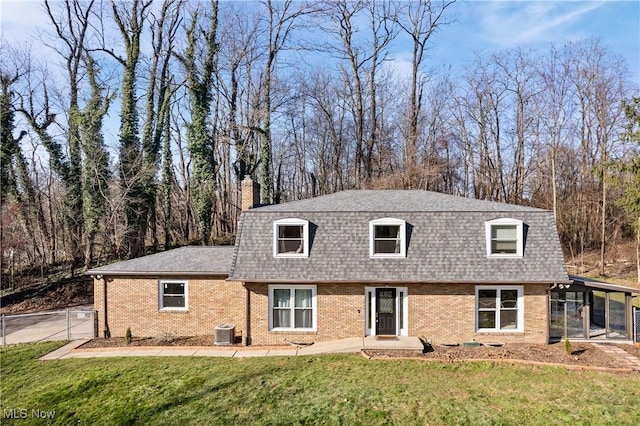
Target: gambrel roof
(446,241)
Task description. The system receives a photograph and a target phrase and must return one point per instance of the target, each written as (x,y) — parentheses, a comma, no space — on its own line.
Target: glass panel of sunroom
(617,315)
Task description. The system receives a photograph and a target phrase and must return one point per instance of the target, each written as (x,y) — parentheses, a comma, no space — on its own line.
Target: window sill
(292,331)
(291,256)
(505,256)
(173,311)
(387,256)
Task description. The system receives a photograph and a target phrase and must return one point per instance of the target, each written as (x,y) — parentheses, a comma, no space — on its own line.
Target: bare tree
(419,20)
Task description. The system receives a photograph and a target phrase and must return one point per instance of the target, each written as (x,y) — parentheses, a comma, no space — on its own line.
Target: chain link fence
(636,325)
(68,324)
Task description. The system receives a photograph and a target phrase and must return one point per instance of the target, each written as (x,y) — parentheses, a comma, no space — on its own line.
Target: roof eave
(156,273)
(478,282)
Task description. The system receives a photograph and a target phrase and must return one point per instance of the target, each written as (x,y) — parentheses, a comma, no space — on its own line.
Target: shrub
(567,346)
(165,338)
(128,336)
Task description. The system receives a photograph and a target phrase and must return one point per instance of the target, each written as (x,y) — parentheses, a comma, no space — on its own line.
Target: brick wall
(444,313)
(340,315)
(441,312)
(133,302)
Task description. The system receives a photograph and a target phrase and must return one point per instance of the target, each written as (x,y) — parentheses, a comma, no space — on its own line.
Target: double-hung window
(292,308)
(505,238)
(173,295)
(499,309)
(291,238)
(387,238)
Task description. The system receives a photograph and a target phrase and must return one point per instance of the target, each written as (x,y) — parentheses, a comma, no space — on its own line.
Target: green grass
(340,389)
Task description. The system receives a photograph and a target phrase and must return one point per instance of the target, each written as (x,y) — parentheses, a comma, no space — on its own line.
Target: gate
(68,324)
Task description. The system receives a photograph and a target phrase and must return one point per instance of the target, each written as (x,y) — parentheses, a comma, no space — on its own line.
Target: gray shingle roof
(392,201)
(446,241)
(190,260)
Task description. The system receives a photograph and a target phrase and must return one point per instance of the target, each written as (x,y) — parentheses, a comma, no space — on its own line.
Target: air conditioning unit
(225,334)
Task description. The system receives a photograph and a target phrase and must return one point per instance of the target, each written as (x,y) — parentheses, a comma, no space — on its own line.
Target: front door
(386,311)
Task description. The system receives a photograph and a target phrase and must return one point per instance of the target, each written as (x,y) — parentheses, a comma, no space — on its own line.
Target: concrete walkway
(626,359)
(350,345)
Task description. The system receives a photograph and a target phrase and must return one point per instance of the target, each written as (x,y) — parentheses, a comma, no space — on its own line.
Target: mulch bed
(583,354)
(117,342)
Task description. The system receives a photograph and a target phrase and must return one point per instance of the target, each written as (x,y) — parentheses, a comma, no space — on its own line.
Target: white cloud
(509,24)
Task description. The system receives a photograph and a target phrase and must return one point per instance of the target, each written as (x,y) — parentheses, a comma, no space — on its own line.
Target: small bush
(127,336)
(567,346)
(165,338)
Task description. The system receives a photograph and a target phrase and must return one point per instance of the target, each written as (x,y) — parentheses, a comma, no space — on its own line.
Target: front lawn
(339,389)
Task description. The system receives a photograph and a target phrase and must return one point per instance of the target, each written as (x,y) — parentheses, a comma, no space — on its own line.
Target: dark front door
(386,311)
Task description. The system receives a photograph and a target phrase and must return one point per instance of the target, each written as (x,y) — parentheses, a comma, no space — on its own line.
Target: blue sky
(490,26)
(481,26)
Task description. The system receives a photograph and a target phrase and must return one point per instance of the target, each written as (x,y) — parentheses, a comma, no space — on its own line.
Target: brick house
(355,263)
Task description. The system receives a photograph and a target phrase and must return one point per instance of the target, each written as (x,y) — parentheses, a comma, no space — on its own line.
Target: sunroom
(588,309)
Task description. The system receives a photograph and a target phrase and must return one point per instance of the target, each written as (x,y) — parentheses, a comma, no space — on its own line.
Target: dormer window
(504,238)
(388,237)
(291,238)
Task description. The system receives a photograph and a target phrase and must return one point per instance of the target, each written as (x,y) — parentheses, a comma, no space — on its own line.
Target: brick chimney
(250,194)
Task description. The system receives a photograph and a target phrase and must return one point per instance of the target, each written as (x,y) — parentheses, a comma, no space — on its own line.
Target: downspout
(246,340)
(106,332)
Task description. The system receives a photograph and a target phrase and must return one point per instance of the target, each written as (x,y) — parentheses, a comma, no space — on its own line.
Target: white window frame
(293,288)
(387,221)
(161,306)
(519,235)
(305,236)
(519,305)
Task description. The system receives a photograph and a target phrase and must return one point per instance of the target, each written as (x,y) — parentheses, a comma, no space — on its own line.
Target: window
(292,308)
(387,238)
(504,238)
(291,238)
(499,309)
(173,295)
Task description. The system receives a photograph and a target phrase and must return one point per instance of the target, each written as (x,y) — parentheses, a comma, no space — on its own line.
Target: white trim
(388,221)
(161,307)
(314,306)
(520,306)
(370,314)
(305,236)
(519,235)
